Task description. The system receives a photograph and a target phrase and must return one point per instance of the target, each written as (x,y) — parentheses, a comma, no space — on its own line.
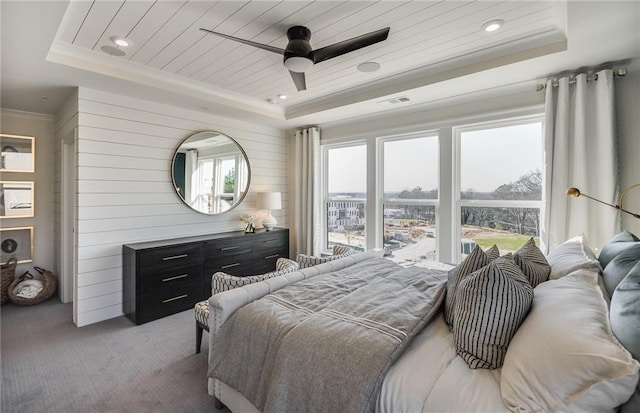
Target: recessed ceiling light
(271,101)
(120,41)
(368,67)
(492,25)
(281,97)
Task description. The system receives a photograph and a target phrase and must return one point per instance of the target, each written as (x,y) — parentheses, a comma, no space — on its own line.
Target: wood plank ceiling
(165,37)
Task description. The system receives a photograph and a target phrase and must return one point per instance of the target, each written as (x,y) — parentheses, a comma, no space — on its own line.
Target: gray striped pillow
(474,261)
(490,305)
(493,252)
(533,263)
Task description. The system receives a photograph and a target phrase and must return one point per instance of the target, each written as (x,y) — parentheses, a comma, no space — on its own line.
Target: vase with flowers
(250,220)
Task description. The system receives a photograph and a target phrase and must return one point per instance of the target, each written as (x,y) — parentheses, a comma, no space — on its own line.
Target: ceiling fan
(300,57)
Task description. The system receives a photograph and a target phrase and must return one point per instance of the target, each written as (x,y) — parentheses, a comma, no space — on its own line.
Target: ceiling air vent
(394,101)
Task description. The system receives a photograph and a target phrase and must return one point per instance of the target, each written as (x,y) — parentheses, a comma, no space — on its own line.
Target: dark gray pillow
(615,246)
(620,266)
(491,303)
(474,261)
(532,262)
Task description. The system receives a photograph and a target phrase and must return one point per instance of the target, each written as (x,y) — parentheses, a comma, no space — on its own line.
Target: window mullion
(373,237)
(445,211)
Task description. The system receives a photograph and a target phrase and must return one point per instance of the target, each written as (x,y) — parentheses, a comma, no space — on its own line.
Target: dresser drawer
(161,304)
(265,260)
(270,240)
(223,247)
(169,257)
(236,265)
(167,280)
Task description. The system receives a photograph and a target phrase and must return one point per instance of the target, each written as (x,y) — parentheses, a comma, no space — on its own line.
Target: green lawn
(505,242)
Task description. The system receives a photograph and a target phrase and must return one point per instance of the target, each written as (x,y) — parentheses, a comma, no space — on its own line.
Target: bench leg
(198,337)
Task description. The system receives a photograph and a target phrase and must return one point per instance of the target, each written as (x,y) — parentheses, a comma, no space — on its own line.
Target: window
(434,195)
(410,196)
(500,184)
(346,195)
(215,188)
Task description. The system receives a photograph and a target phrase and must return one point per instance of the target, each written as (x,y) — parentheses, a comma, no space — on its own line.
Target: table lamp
(269,201)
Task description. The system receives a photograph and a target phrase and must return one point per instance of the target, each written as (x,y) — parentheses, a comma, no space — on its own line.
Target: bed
(269,352)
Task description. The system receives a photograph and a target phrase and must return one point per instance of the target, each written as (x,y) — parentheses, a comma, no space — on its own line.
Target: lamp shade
(269,200)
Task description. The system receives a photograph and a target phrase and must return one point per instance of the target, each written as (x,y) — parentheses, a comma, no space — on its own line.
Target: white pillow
(572,255)
(564,357)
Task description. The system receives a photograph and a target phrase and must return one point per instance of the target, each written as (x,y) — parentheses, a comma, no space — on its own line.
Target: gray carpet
(49,365)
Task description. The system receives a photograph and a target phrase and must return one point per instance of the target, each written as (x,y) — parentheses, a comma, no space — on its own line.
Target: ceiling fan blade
(248,42)
(346,46)
(299,80)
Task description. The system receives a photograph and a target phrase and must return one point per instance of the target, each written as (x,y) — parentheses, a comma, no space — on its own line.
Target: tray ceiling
(429,41)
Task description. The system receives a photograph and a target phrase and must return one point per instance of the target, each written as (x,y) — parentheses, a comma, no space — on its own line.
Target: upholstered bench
(221,281)
(339,251)
(202,321)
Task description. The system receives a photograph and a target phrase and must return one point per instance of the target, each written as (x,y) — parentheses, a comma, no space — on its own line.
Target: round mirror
(210,172)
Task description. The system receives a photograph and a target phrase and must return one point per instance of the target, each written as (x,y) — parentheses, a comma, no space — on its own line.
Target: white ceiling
(435,49)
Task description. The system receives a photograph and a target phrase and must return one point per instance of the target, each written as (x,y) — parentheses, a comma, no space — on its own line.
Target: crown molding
(26,115)
(89,60)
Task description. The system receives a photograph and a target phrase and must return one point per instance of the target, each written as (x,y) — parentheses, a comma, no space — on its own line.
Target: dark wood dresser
(168,276)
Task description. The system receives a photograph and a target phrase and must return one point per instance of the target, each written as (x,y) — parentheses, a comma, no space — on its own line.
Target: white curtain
(581,152)
(190,176)
(306,191)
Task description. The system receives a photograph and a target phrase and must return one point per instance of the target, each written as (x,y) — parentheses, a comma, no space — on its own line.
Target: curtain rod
(619,72)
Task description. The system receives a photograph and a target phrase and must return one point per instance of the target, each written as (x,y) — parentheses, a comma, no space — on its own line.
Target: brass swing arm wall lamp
(575,192)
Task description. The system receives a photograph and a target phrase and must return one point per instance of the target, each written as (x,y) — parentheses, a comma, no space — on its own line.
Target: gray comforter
(325,343)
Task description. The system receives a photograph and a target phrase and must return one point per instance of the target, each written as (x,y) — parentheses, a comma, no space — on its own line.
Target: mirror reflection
(210,172)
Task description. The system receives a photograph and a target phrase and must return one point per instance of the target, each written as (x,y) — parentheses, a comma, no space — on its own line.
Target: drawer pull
(224,267)
(268,257)
(174,278)
(175,298)
(175,257)
(270,240)
(235,247)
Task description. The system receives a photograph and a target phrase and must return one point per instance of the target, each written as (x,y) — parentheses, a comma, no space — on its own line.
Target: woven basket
(50,284)
(8,275)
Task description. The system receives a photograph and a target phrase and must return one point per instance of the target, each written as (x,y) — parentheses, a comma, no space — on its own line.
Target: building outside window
(345,196)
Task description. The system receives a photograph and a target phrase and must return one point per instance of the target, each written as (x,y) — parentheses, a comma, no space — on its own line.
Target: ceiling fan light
(298,64)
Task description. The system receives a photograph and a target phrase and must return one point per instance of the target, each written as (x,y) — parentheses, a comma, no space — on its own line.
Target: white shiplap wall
(125,192)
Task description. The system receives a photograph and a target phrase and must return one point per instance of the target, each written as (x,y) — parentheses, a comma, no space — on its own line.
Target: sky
(489,158)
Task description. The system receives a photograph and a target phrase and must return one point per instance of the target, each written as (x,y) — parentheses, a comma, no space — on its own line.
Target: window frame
(459,203)
(381,200)
(324,218)
(448,205)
